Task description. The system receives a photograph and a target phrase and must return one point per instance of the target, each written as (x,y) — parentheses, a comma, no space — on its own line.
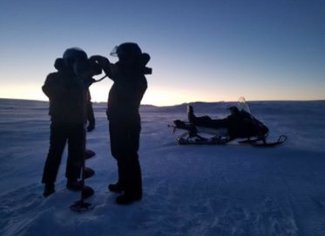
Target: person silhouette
(125,96)
(67,95)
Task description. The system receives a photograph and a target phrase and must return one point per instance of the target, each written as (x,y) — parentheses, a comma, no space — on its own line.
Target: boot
(116,188)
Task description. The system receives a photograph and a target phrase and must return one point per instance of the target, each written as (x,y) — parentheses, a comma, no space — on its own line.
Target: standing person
(125,95)
(67,97)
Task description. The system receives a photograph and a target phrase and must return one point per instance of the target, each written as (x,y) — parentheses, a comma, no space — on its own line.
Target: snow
(188,190)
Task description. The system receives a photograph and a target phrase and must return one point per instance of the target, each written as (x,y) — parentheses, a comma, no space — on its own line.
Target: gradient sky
(208,50)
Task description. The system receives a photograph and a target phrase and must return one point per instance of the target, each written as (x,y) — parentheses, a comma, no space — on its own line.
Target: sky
(209,50)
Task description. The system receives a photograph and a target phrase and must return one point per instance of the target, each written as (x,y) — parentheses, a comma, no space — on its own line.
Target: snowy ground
(188,190)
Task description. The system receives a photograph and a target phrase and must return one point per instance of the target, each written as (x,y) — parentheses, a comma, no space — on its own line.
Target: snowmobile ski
(263,143)
(185,139)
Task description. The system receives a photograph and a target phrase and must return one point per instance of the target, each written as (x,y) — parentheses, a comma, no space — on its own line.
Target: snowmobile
(241,125)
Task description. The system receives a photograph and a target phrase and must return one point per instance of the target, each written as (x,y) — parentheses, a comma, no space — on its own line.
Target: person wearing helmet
(125,95)
(67,109)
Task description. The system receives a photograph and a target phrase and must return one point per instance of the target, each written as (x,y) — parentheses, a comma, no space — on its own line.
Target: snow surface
(188,190)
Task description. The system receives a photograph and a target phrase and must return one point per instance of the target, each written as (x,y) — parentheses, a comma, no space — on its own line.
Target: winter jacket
(67,95)
(126,93)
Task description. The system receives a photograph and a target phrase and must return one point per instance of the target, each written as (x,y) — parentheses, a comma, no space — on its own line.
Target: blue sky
(209,50)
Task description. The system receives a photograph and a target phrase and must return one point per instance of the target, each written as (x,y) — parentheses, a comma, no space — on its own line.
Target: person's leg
(76,152)
(57,143)
(136,176)
(118,140)
(130,167)
(134,188)
(197,120)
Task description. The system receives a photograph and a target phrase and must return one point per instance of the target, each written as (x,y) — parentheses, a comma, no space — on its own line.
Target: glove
(102,61)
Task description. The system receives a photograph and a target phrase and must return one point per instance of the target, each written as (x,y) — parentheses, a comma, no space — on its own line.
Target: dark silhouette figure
(67,95)
(123,104)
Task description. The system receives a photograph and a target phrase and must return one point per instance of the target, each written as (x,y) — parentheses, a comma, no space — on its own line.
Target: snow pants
(61,134)
(124,138)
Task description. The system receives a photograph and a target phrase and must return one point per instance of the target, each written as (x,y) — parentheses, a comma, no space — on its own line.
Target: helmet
(71,55)
(127,50)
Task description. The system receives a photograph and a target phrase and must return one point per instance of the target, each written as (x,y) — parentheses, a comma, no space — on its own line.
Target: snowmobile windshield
(242,105)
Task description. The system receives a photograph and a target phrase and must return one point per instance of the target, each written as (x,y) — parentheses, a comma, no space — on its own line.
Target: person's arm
(104,64)
(145,58)
(49,87)
(53,87)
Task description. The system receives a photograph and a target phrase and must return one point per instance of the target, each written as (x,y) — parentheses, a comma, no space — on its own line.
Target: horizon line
(184,103)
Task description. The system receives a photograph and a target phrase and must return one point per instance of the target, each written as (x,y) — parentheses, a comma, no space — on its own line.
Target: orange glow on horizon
(162,96)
